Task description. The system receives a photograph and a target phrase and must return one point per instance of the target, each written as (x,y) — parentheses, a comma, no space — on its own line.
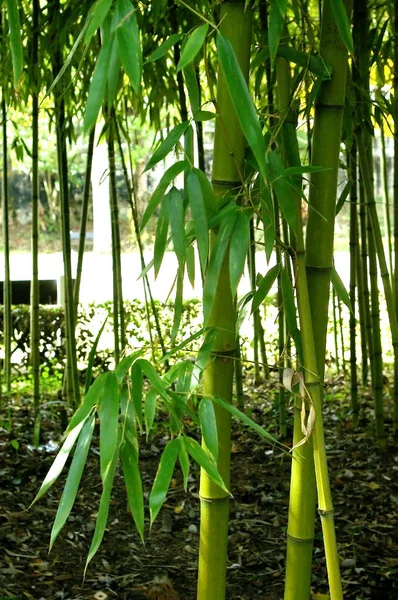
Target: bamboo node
(325,513)
(297,540)
(213,500)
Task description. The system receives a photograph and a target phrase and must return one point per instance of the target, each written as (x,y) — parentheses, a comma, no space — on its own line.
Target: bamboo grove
(263,76)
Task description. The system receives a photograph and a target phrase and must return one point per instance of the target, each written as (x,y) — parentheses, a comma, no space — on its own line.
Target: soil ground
(365,492)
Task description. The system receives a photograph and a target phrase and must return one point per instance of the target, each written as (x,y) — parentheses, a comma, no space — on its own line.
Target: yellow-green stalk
(229,151)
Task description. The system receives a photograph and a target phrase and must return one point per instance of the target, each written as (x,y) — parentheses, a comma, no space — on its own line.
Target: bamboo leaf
(91,357)
(178,301)
(108,411)
(175,206)
(242,101)
(308,61)
(190,264)
(215,264)
(15,40)
(203,459)
(89,400)
(167,145)
(162,229)
(60,460)
(267,217)
(97,88)
(73,480)
(264,287)
(128,38)
(113,73)
(169,175)
(299,170)
(282,190)
(290,311)
(137,381)
(153,377)
(340,289)
(103,510)
(149,411)
(378,43)
(204,115)
(163,477)
(208,424)
(96,17)
(164,47)
(199,216)
(343,24)
(192,86)
(193,45)
(203,356)
(132,479)
(343,197)
(246,420)
(184,462)
(128,420)
(183,344)
(276,24)
(207,193)
(238,250)
(124,365)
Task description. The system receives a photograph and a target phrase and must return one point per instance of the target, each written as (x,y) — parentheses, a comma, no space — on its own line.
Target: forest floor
(365,492)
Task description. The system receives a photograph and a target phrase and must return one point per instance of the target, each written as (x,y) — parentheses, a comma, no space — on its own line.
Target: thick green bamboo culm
(395,116)
(6,241)
(387,218)
(229,153)
(302,498)
(34,286)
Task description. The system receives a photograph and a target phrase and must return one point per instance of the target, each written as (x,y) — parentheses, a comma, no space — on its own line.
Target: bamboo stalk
(235,25)
(352,167)
(7,315)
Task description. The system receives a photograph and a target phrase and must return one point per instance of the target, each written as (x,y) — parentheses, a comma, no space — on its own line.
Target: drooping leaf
(15,40)
(183,344)
(290,311)
(153,377)
(108,411)
(203,356)
(308,61)
(91,357)
(128,39)
(102,516)
(378,43)
(204,460)
(164,47)
(190,264)
(132,479)
(340,289)
(178,301)
(204,115)
(175,206)
(208,424)
(113,74)
(162,229)
(192,86)
(167,145)
(215,264)
(276,24)
(73,480)
(238,250)
(60,460)
(96,17)
(207,193)
(199,216)
(128,420)
(299,170)
(136,390)
(264,287)
(124,365)
(193,45)
(184,462)
(149,411)
(282,190)
(242,101)
(268,218)
(343,197)
(89,400)
(163,477)
(343,24)
(169,175)
(97,88)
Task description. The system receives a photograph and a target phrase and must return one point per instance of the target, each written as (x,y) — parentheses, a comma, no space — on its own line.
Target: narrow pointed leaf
(276,24)
(91,357)
(97,88)
(108,414)
(242,101)
(60,460)
(89,400)
(178,301)
(128,39)
(191,82)
(208,424)
(103,511)
(149,411)
(184,462)
(73,480)
(290,311)
(238,250)
(282,190)
(163,477)
(175,206)
(165,47)
(215,264)
(183,344)
(264,287)
(204,461)
(171,173)
(132,479)
(96,17)
(162,229)
(190,263)
(340,289)
(208,194)
(125,364)
(203,356)
(193,45)
(343,197)
(113,74)
(15,40)
(153,377)
(199,216)
(136,390)
(268,218)
(343,24)
(167,145)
